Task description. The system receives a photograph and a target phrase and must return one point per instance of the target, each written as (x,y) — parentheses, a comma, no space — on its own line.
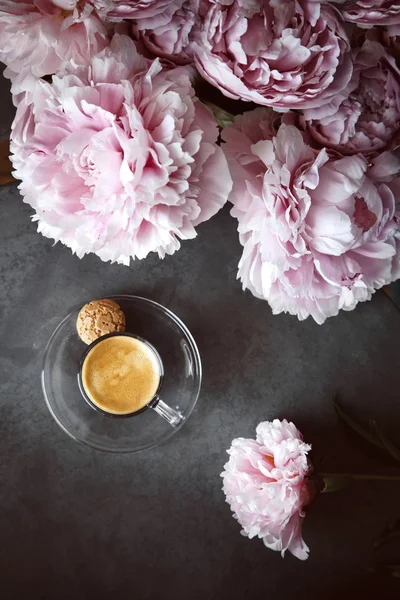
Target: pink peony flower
(265,482)
(146,13)
(318,233)
(172,41)
(365,116)
(372,12)
(119,158)
(40,36)
(280,54)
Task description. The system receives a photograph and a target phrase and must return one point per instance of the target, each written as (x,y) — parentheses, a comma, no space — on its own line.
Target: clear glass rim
(195,353)
(85,394)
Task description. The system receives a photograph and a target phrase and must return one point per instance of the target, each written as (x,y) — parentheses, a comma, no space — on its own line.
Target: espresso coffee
(121,374)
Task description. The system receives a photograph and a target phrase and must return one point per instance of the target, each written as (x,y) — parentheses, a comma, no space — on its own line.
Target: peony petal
(331,229)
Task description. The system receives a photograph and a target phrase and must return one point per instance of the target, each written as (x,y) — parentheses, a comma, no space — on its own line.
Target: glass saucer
(181,385)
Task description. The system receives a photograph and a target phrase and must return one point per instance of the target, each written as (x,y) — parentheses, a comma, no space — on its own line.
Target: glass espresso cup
(121,375)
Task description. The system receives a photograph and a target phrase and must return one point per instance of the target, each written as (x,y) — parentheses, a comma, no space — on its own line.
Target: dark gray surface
(79,524)
(6,106)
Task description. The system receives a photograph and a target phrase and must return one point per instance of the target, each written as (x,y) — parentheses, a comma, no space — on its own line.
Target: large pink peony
(365,116)
(280,54)
(372,12)
(39,36)
(119,158)
(318,234)
(173,41)
(266,486)
(147,13)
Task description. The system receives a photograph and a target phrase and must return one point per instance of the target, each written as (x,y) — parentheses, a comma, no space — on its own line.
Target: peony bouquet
(121,153)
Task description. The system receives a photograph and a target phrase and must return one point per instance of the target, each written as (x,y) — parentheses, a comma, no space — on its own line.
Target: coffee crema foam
(121,374)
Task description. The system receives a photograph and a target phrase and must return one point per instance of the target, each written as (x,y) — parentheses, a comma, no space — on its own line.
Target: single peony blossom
(287,55)
(265,483)
(147,13)
(365,116)
(319,234)
(119,158)
(172,41)
(367,13)
(38,37)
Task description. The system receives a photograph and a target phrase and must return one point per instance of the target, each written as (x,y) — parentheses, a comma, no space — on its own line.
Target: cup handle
(174,417)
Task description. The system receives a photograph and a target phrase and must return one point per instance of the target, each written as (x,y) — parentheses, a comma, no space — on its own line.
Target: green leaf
(357,427)
(223,117)
(374,434)
(386,443)
(333,483)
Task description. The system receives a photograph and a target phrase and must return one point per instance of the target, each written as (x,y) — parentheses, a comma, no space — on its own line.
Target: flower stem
(364,477)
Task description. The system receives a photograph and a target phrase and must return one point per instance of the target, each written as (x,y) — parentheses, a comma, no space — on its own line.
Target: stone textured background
(83,525)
